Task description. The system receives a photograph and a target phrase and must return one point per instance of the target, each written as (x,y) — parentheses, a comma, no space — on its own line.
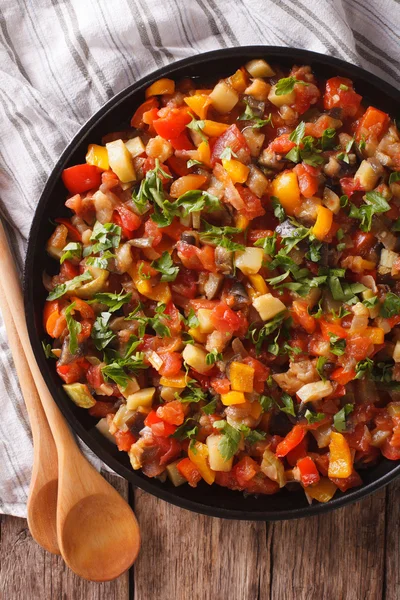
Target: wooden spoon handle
(10,283)
(42,497)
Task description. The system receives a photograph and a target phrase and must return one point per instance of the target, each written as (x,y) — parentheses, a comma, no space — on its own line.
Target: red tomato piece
(297,453)
(293,438)
(235,140)
(129,220)
(68,271)
(308,182)
(185,283)
(373,124)
(354,480)
(94,376)
(221,385)
(332,328)
(81,178)
(172,412)
(350,185)
(301,317)
(178,165)
(189,471)
(389,451)
(124,440)
(151,230)
(73,371)
(341,376)
(101,409)
(182,142)
(340,93)
(224,319)
(245,470)
(252,205)
(137,119)
(281,144)
(172,364)
(306,95)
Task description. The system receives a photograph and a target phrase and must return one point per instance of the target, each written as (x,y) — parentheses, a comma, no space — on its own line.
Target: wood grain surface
(350,554)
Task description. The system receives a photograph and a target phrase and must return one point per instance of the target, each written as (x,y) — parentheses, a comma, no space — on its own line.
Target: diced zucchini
(367,176)
(173,474)
(314,391)
(224,97)
(259,68)
(102,426)
(135,146)
(273,468)
(331,200)
(120,161)
(322,435)
(143,397)
(283,99)
(155,360)
(121,419)
(94,286)
(195,357)
(167,393)
(386,261)
(216,461)
(80,394)
(249,260)
(268,306)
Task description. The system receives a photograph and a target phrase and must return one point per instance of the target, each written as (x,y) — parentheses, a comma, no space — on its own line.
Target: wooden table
(350,554)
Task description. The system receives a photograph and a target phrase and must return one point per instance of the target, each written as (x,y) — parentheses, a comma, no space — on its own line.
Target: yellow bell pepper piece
(160,292)
(199,104)
(256,409)
(162,86)
(205,92)
(376,335)
(241,222)
(198,454)
(178,381)
(323,491)
(97,156)
(340,462)
(238,81)
(251,291)
(241,377)
(198,335)
(286,188)
(233,398)
(323,223)
(204,153)
(213,128)
(236,170)
(258,284)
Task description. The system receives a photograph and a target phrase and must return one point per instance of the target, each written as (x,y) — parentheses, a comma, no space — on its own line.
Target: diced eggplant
(224,260)
(190,237)
(213,285)
(240,295)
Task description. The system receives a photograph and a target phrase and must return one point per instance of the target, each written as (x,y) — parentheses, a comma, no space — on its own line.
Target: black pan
(113,116)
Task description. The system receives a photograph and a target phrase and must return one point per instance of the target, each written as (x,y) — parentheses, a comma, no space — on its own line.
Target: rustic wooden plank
(27,571)
(392,570)
(339,555)
(185,555)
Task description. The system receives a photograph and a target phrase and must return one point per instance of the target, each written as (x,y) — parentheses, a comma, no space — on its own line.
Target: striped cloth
(62,59)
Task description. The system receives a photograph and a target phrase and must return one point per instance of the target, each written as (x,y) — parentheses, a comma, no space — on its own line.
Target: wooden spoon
(97,531)
(42,497)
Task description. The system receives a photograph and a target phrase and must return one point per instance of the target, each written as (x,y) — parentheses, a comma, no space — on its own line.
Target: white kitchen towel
(60,60)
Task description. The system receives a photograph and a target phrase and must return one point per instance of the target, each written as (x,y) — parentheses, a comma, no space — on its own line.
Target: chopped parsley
(390,306)
(395,176)
(74,328)
(337,345)
(257,122)
(220,236)
(48,350)
(213,356)
(210,408)
(113,301)
(101,334)
(155,322)
(313,417)
(286,85)
(339,420)
(166,267)
(69,285)
(376,204)
(320,366)
(71,251)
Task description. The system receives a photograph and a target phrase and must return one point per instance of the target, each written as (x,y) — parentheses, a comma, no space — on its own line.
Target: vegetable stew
(227,302)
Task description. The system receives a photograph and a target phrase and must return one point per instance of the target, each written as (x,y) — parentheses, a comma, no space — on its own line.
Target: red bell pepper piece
(81,178)
(293,438)
(308,471)
(189,471)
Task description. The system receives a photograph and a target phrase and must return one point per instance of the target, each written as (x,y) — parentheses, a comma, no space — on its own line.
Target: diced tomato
(101,409)
(389,451)
(175,230)
(124,440)
(68,271)
(159,427)
(360,438)
(94,376)
(350,185)
(332,328)
(73,371)
(152,230)
(340,93)
(189,256)
(224,319)
(362,243)
(206,255)
(235,140)
(185,283)
(189,471)
(322,462)
(197,303)
(172,123)
(357,347)
(172,412)
(261,373)
(172,364)
(83,308)
(260,484)
(252,205)
(306,95)
(257,234)
(149,165)
(373,124)
(129,221)
(81,178)
(293,438)
(308,471)
(308,180)
(340,375)
(302,317)
(245,470)
(344,484)
(170,448)
(220,385)
(297,453)
(178,165)
(137,119)
(148,119)
(281,144)
(73,232)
